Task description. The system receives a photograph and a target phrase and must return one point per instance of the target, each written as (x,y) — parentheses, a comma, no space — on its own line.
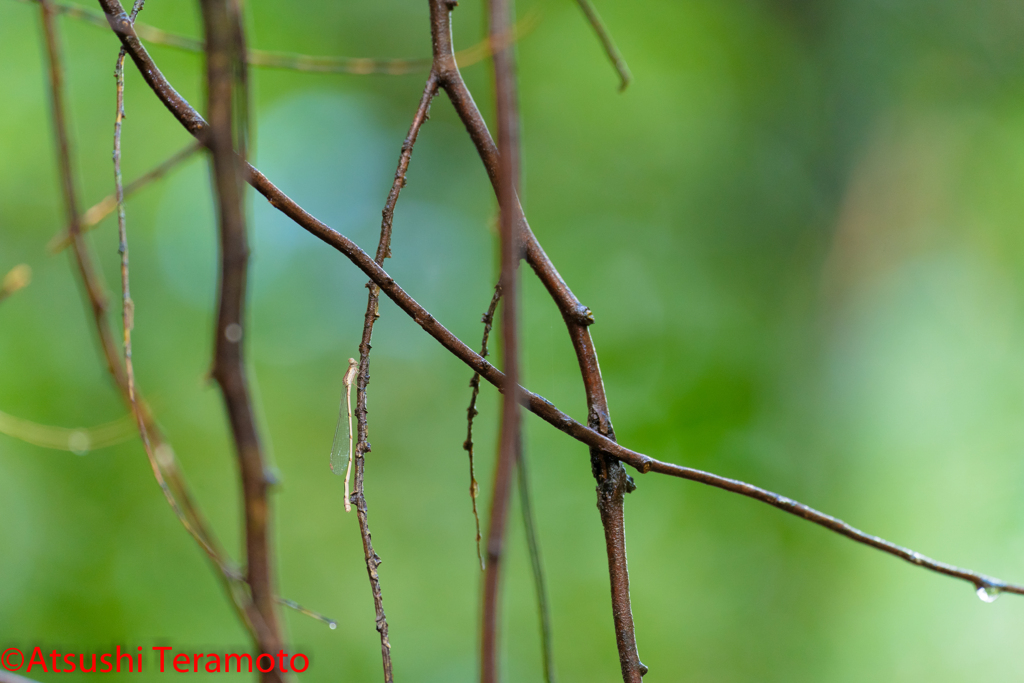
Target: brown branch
(106,206)
(222,57)
(128,309)
(363,444)
(612,481)
(523,481)
(186,512)
(607,43)
(471,412)
(510,438)
(533,402)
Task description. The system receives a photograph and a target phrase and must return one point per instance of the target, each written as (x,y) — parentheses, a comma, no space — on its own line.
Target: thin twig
(128,309)
(78,440)
(363,446)
(222,58)
(291,604)
(510,439)
(533,545)
(89,273)
(536,404)
(607,43)
(471,412)
(167,473)
(532,542)
(106,206)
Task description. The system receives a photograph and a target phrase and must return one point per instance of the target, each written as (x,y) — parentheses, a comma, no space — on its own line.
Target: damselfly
(341,458)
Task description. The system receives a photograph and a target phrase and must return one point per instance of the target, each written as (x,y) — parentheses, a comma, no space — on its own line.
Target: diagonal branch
(536,404)
(103,208)
(610,49)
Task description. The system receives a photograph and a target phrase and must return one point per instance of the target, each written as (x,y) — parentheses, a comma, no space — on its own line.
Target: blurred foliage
(799,230)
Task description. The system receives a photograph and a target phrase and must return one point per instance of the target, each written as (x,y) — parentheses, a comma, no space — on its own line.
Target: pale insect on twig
(338,447)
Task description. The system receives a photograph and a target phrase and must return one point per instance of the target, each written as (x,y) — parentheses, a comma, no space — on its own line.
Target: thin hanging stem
(471,412)
(540,587)
(372,313)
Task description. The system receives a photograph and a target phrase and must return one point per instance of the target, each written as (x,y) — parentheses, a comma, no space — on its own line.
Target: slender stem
(536,404)
(363,445)
(78,440)
(103,208)
(471,412)
(533,544)
(607,43)
(612,481)
(160,455)
(510,439)
(222,58)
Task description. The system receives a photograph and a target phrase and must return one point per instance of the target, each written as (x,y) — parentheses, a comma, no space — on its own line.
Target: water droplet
(78,442)
(233,333)
(332,624)
(988,593)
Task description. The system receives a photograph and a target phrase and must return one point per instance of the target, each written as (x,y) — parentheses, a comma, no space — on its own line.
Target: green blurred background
(799,230)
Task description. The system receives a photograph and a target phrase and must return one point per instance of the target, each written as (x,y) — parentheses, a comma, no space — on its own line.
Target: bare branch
(363,445)
(161,455)
(106,206)
(222,59)
(471,412)
(533,402)
(533,544)
(510,438)
(612,481)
